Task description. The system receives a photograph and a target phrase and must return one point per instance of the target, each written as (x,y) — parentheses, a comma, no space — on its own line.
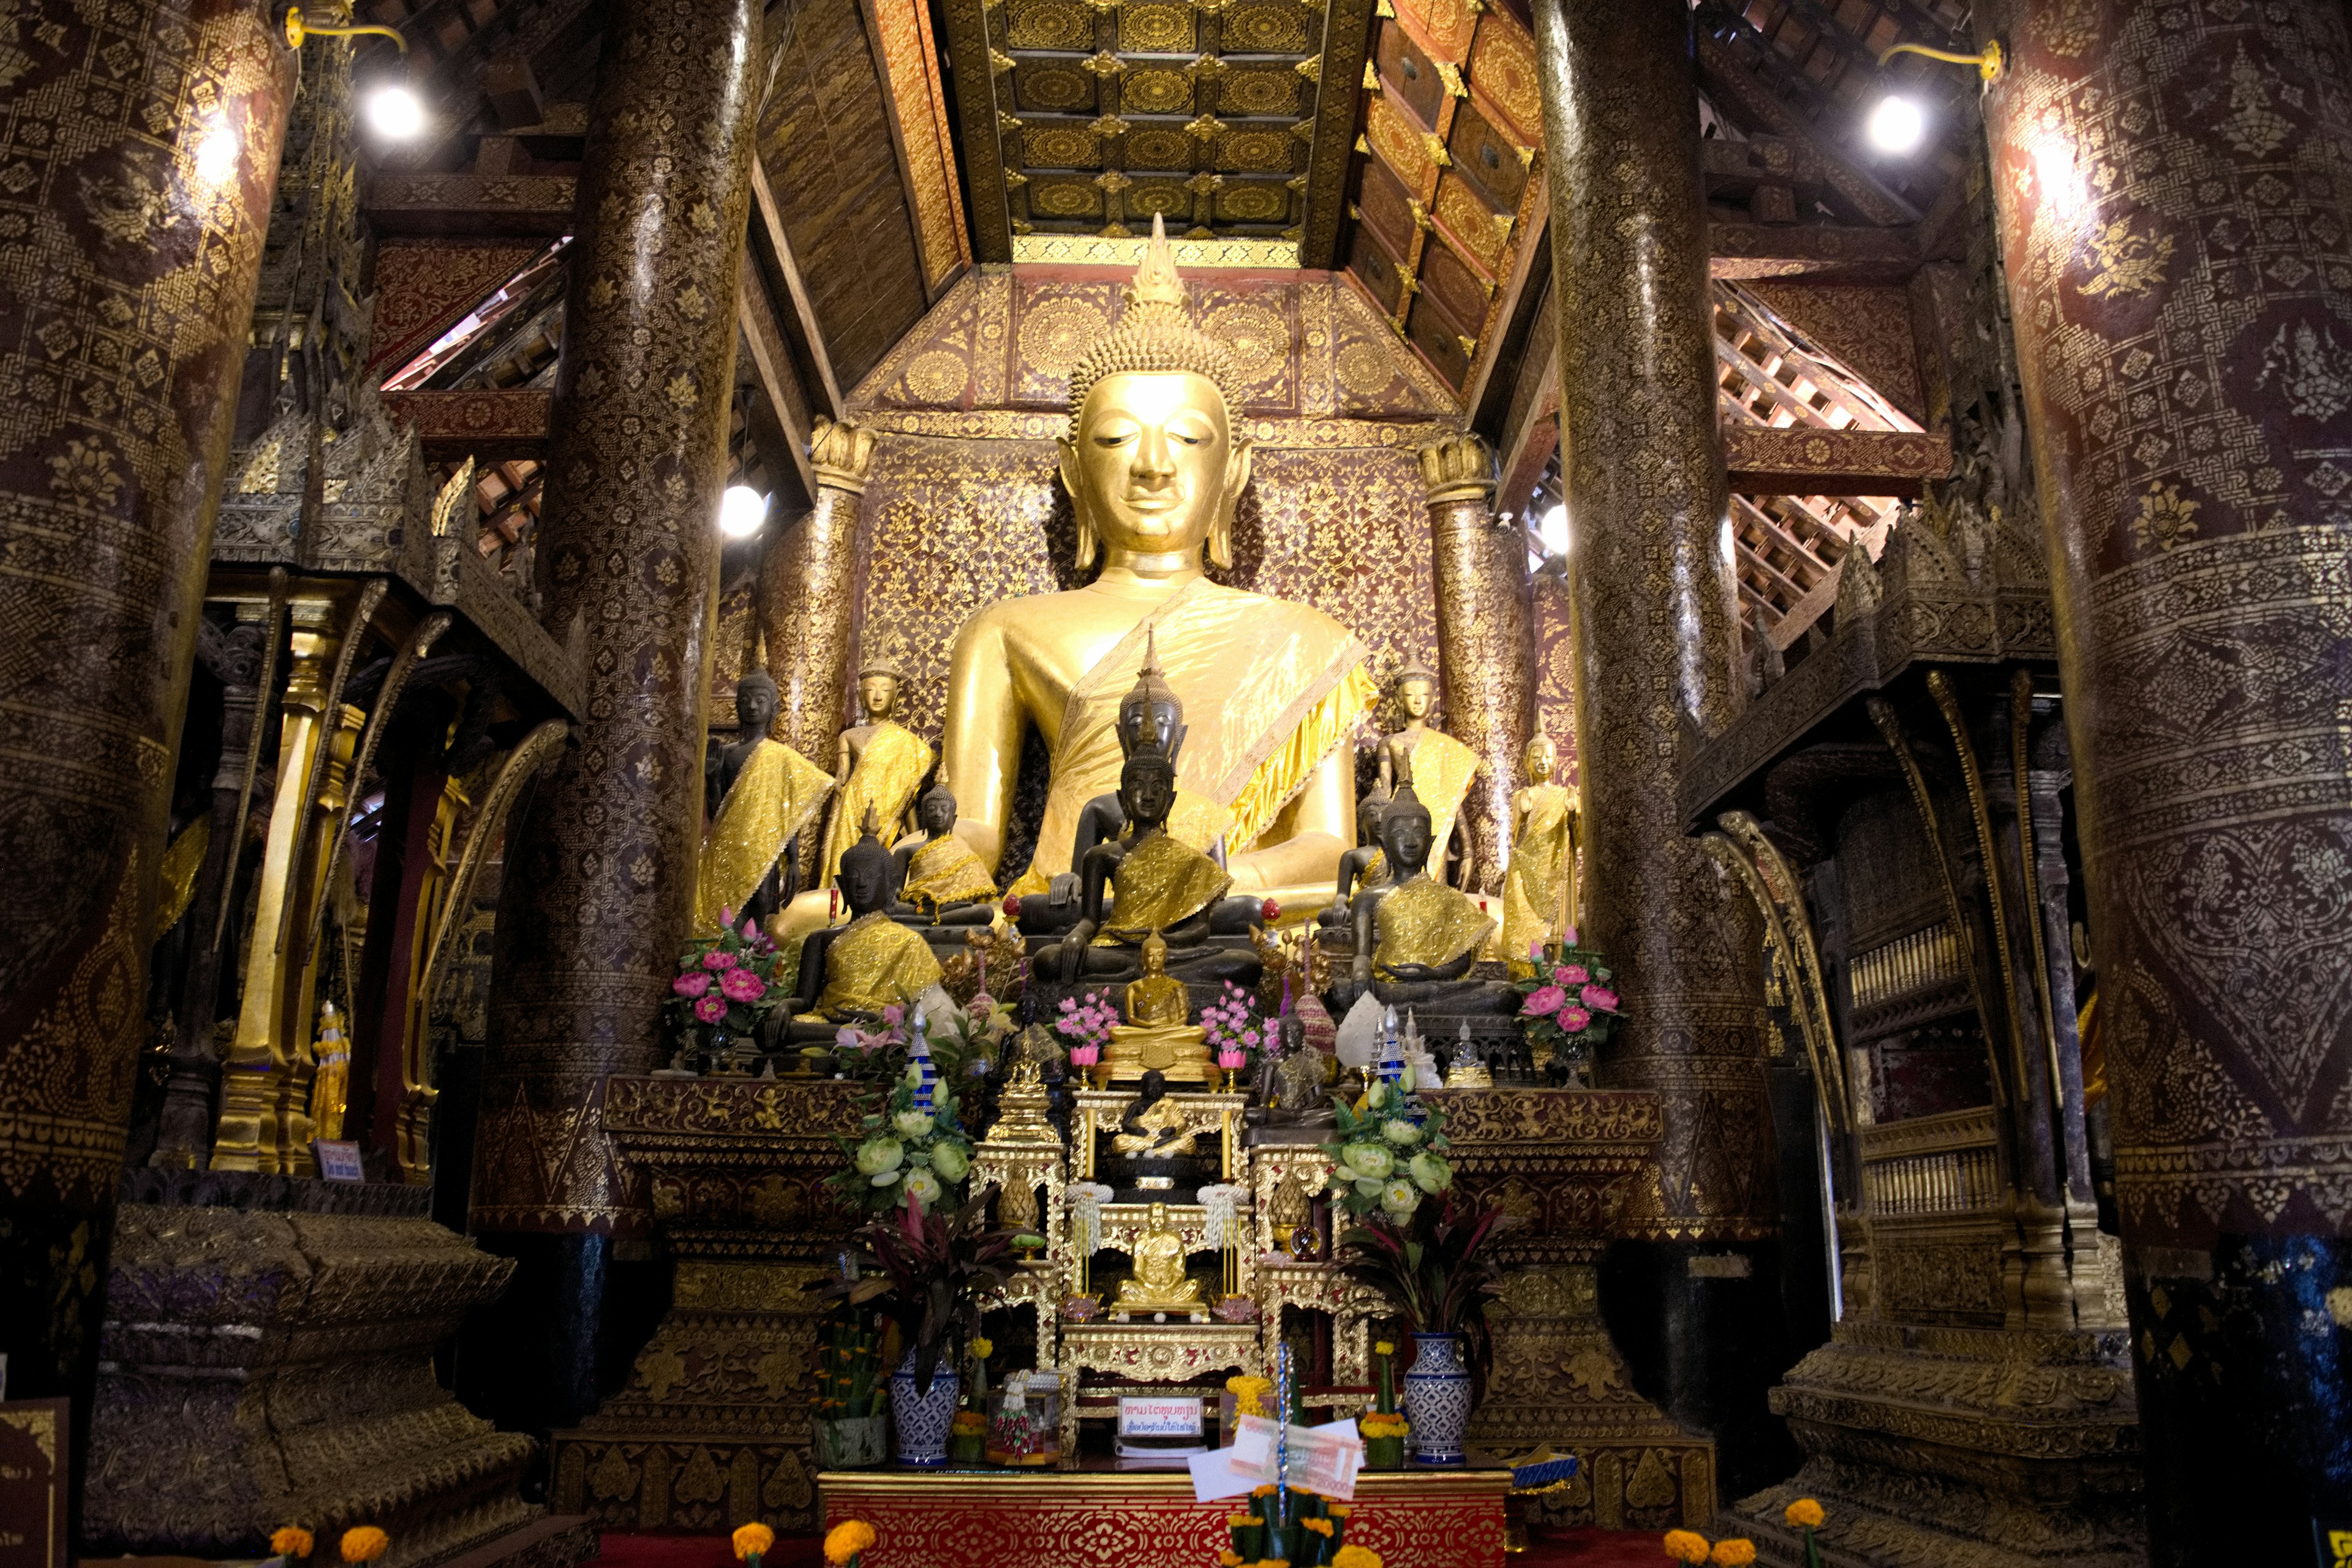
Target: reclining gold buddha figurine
(1148,884)
(849,973)
(1270,689)
(1417,939)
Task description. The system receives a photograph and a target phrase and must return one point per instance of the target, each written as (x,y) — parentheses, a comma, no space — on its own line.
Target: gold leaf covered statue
(1417,939)
(940,876)
(851,972)
(878,765)
(758,793)
(1539,890)
(1156,1036)
(1159,1283)
(1441,768)
(1270,689)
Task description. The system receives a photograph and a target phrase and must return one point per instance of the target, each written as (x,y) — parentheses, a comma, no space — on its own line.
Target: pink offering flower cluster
(729,979)
(1232,1028)
(1567,1000)
(1087,1023)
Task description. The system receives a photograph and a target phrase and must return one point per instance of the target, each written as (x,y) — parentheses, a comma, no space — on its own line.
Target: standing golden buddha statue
(1269,689)
(1440,767)
(1539,890)
(757,793)
(879,765)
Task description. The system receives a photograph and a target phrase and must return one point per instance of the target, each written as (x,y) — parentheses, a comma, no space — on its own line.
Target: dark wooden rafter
(773,247)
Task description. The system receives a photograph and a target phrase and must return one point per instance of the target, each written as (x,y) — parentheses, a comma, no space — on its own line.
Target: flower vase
(856,1443)
(923,1418)
(1437,1399)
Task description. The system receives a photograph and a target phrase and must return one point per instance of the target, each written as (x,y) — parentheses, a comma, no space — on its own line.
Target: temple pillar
(142,145)
(2173,208)
(1485,642)
(1693,1294)
(599,875)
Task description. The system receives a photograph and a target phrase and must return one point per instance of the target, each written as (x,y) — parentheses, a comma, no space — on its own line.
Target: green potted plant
(850,1423)
(1435,1264)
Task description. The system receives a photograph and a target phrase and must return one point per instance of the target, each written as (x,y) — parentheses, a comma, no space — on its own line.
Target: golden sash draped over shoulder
(1543,867)
(1425,921)
(1270,689)
(873,963)
(1159,883)
(888,773)
(1443,770)
(774,797)
(947,871)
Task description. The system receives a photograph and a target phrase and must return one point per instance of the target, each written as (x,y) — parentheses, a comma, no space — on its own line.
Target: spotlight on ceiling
(741,511)
(1898,125)
(394,114)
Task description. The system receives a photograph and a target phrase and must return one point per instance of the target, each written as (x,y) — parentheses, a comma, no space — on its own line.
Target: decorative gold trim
(489,823)
(1890,725)
(265,694)
(1777,882)
(1973,780)
(1093,251)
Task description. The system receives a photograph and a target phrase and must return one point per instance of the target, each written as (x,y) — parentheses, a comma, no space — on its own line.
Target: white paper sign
(338,1161)
(1152,1417)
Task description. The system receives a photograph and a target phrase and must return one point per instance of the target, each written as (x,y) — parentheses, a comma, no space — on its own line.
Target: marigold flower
(751,1539)
(1686,1546)
(847,1539)
(1384,1348)
(291,1541)
(1320,1526)
(364,1545)
(1355,1557)
(1733,1553)
(1803,1514)
(982,1346)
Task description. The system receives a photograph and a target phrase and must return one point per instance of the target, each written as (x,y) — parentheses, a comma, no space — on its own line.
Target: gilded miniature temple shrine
(1363,783)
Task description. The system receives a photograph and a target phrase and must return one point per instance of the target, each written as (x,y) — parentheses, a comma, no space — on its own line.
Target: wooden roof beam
(763,339)
(768,227)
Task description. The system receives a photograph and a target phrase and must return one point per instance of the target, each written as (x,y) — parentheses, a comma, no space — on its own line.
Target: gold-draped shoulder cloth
(1270,689)
(1425,921)
(774,797)
(1159,883)
(946,870)
(873,963)
(888,773)
(1543,868)
(1443,771)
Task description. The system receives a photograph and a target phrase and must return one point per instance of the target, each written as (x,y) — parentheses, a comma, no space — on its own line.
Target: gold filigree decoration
(2166,519)
(2129,263)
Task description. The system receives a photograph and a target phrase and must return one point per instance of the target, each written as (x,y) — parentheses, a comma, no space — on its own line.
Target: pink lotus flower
(1574,1020)
(726,914)
(893,1015)
(1599,998)
(1571,975)
(1570,938)
(711,1009)
(1548,1000)
(742,986)
(1535,953)
(690,984)
(1085,1056)
(751,932)
(1232,1061)
(718,960)
(1069,1004)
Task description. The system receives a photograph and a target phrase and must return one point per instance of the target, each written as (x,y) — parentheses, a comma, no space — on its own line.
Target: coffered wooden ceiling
(1229,119)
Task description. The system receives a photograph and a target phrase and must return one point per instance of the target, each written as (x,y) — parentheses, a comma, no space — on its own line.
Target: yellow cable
(1989,64)
(296,29)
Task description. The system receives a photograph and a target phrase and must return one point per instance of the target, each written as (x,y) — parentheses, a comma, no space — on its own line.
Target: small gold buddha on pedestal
(1156,1037)
(1159,1283)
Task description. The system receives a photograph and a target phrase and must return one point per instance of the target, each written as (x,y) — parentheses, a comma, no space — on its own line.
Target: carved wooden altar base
(1103,1518)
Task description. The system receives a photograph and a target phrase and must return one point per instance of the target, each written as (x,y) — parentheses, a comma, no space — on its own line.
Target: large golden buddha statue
(1270,688)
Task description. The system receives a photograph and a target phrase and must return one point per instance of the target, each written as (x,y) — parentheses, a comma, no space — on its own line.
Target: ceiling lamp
(741,511)
(393,114)
(1897,124)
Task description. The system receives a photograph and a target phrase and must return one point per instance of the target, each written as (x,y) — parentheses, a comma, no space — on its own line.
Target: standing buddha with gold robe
(758,793)
(1441,768)
(879,765)
(1539,890)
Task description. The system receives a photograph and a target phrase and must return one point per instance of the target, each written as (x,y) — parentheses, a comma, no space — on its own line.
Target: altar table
(1100,1517)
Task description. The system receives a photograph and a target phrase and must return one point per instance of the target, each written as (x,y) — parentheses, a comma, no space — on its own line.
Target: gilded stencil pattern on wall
(2176,210)
(638,454)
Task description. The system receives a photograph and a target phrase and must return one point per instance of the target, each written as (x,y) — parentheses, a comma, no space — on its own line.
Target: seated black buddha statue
(1363,866)
(1417,940)
(938,879)
(849,973)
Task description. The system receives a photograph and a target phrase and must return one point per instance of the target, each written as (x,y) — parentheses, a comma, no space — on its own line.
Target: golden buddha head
(1151,462)
(1155,954)
(879,680)
(1416,689)
(1541,758)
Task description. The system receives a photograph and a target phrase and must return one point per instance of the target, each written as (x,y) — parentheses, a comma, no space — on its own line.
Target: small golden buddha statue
(1156,1036)
(1539,890)
(878,765)
(1270,689)
(757,793)
(940,879)
(1441,768)
(1417,940)
(1159,1283)
(1155,1127)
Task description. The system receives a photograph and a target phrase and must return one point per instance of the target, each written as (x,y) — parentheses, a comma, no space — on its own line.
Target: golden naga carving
(1270,689)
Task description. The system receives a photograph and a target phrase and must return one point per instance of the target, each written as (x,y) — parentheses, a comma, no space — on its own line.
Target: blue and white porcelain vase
(1437,1399)
(923,1419)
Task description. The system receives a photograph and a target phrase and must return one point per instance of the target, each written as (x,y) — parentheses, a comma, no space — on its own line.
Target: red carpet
(1555,1548)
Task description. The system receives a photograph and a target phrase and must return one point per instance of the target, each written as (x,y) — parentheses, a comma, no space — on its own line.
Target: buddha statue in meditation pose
(1417,939)
(1155,1127)
(757,792)
(940,880)
(1157,884)
(1269,689)
(1156,1036)
(849,973)
(1364,866)
(1159,1283)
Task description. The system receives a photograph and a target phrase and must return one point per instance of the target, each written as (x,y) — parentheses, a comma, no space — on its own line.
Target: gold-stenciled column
(599,875)
(1486,641)
(272,1027)
(2175,206)
(805,594)
(1652,640)
(140,144)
